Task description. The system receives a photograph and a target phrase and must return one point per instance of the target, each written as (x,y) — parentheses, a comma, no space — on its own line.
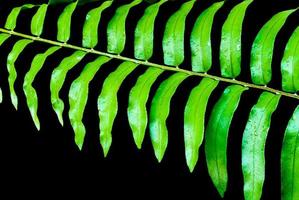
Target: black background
(50,155)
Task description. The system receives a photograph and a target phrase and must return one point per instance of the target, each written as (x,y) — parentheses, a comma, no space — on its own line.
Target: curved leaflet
(262,48)
(116,30)
(78,96)
(173,39)
(217,134)
(3,38)
(230,47)
(200,41)
(107,102)
(57,79)
(144,32)
(91,24)
(37,22)
(290,63)
(11,20)
(64,22)
(159,112)
(12,73)
(137,113)
(253,144)
(290,159)
(30,93)
(194,118)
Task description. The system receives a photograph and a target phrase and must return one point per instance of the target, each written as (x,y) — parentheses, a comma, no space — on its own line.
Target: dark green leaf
(217,134)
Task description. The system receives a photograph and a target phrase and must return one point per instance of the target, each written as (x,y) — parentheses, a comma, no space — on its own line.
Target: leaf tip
(14,101)
(138,145)
(105,141)
(191,167)
(60,118)
(159,155)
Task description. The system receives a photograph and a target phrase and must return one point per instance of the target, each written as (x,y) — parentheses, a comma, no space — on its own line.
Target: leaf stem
(150,64)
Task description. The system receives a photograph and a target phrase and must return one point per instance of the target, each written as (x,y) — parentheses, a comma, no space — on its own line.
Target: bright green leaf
(107,102)
(194,119)
(37,22)
(78,96)
(137,113)
(144,32)
(253,145)
(58,78)
(159,112)
(174,34)
(290,159)
(64,22)
(116,30)
(200,41)
(3,38)
(230,47)
(30,93)
(262,48)
(91,24)
(11,20)
(17,49)
(290,63)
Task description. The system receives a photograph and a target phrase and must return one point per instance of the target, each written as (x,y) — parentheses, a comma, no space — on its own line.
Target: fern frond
(174,54)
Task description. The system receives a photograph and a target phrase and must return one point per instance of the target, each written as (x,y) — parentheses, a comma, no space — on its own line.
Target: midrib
(151,64)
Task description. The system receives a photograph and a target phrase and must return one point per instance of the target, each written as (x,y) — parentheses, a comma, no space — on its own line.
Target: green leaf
(64,22)
(290,63)
(58,78)
(262,48)
(200,41)
(159,112)
(230,47)
(30,93)
(3,38)
(91,24)
(17,49)
(173,39)
(37,22)
(290,159)
(116,30)
(11,20)
(194,119)
(107,102)
(217,134)
(253,145)
(144,32)
(78,96)
(137,113)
